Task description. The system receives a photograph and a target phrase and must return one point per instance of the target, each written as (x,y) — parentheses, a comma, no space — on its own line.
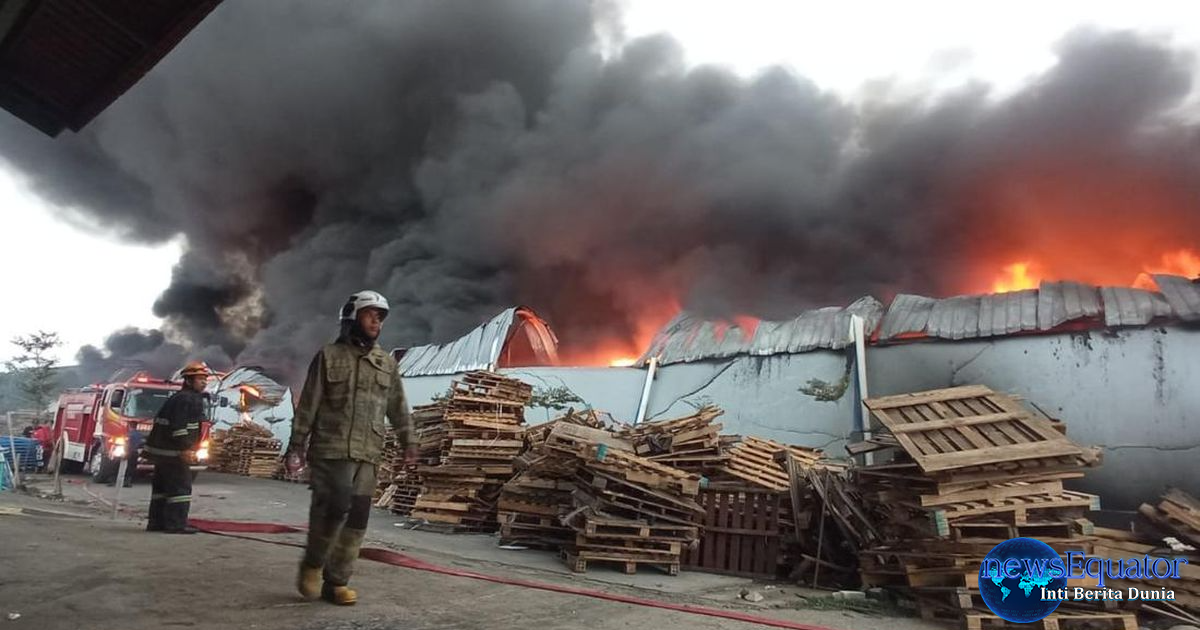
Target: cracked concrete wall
(760,395)
(1134,391)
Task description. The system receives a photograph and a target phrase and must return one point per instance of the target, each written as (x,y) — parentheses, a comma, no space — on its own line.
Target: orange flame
(1027,274)
(622,362)
(1015,278)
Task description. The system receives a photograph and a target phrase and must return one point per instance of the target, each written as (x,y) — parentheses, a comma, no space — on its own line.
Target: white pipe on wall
(651,368)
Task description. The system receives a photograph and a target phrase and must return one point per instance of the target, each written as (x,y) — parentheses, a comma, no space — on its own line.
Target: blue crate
(28,450)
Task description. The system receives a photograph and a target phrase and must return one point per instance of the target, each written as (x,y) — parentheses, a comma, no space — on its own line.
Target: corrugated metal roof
(1182,294)
(691,338)
(1061,302)
(907,314)
(479,349)
(1132,307)
(1043,309)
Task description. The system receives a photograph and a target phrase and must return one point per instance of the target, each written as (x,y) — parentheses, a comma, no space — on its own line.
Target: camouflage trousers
(337,518)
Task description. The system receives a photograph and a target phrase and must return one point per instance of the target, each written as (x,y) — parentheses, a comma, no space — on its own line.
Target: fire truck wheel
(103,469)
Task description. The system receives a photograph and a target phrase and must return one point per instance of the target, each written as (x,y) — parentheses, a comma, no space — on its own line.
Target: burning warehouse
(1116,363)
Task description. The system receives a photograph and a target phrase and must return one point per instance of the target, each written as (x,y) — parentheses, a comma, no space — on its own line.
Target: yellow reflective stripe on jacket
(161,451)
(186,498)
(180,433)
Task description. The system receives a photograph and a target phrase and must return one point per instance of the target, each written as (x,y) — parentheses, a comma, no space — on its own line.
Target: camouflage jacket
(346,395)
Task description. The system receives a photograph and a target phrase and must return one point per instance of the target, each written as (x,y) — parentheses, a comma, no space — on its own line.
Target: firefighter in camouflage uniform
(338,432)
(172,445)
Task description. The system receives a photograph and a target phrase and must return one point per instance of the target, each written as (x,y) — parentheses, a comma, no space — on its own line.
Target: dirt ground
(68,564)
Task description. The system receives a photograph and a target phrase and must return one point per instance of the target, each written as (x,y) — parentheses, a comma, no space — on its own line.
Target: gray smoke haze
(461,157)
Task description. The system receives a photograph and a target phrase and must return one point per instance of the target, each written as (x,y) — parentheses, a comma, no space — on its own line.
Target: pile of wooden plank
(467,447)
(961,470)
(627,509)
(691,443)
(533,503)
(391,460)
(1157,541)
(1176,515)
(216,449)
(251,450)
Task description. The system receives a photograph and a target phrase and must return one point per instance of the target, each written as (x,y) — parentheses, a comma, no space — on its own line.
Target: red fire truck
(104,424)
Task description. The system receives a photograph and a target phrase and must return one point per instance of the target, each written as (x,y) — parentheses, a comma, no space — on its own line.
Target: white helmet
(361,300)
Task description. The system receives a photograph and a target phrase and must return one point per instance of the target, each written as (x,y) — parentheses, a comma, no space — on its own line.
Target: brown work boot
(308,582)
(340,595)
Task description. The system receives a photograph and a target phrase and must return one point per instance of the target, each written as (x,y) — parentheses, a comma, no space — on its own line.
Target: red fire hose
(386,556)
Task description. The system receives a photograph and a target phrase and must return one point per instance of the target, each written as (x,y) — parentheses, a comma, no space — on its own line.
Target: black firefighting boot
(175,515)
(154,520)
(340,567)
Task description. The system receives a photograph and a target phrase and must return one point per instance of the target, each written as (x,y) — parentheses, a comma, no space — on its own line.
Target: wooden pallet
(741,532)
(578,562)
(626,529)
(1057,621)
(967,426)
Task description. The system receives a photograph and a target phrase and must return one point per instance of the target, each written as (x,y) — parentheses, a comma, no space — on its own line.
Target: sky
(71,279)
(74,279)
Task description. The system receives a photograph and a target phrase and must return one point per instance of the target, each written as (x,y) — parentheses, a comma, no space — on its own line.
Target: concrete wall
(1137,392)
(760,395)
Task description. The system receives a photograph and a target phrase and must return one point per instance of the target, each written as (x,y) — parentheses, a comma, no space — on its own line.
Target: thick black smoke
(461,157)
(149,350)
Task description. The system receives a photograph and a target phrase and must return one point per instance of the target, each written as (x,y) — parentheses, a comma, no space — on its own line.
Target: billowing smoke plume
(149,350)
(462,157)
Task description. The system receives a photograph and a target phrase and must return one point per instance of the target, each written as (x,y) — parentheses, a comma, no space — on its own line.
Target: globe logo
(1012,576)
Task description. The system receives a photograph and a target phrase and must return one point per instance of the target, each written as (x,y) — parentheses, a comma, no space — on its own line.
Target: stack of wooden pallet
(1156,541)
(250,450)
(692,443)
(962,470)
(1176,515)
(627,509)
(391,461)
(468,450)
(216,449)
(532,503)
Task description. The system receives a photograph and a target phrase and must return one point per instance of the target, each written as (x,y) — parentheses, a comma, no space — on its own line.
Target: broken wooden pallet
(967,426)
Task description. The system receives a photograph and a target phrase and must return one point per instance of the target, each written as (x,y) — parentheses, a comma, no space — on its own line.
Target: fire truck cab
(100,425)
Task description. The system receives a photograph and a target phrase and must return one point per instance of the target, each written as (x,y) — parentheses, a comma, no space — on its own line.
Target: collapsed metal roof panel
(907,314)
(692,338)
(1132,307)
(1061,302)
(1182,294)
(1039,310)
(477,350)
(481,348)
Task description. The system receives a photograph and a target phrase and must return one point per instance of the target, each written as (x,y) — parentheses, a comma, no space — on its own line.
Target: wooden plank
(956,422)
(737,506)
(963,459)
(993,492)
(723,519)
(945,442)
(938,395)
(1001,434)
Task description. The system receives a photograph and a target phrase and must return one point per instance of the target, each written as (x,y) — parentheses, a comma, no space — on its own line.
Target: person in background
(172,445)
(44,437)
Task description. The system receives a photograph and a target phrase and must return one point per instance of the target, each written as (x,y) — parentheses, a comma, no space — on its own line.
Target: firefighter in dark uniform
(338,430)
(172,445)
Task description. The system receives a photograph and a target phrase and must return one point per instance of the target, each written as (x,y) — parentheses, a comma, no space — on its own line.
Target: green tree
(34,366)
